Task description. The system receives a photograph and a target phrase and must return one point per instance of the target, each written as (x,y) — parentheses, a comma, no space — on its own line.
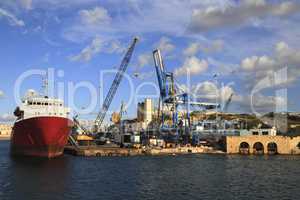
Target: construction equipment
(116,82)
(73,141)
(172,97)
(78,125)
(109,97)
(84,140)
(122,111)
(166,86)
(117,116)
(169,94)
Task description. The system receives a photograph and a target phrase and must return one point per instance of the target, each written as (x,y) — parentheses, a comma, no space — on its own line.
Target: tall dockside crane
(170,95)
(166,87)
(116,82)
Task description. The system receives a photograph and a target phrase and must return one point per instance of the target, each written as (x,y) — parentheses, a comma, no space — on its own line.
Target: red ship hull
(40,136)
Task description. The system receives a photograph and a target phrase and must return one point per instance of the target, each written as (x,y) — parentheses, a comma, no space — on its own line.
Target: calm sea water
(166,177)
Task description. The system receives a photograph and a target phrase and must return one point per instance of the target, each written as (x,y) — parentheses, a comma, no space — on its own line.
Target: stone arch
(244,148)
(272,148)
(258,148)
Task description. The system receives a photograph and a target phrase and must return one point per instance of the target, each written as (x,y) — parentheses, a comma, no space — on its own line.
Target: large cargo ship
(42,127)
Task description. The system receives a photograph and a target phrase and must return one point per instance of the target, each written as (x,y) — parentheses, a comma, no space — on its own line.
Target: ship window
(38,103)
(60,104)
(46,104)
(30,103)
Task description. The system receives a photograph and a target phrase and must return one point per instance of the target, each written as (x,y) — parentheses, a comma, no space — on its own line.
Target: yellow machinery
(115,118)
(84,140)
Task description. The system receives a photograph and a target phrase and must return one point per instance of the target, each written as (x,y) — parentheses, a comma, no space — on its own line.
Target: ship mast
(45,85)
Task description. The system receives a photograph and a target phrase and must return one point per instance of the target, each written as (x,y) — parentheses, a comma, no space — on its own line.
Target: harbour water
(199,176)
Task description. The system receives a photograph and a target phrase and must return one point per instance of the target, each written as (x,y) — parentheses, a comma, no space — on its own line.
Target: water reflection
(33,178)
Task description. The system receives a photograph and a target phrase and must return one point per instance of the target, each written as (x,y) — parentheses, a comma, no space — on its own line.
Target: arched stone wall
(285,145)
(272,148)
(258,148)
(244,148)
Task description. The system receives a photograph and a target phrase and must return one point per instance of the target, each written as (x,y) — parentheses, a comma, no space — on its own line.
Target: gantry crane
(169,93)
(166,86)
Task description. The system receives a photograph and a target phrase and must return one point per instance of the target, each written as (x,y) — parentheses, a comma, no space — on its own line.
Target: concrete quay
(4,137)
(117,151)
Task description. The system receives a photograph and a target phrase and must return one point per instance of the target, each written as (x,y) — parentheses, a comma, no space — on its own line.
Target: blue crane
(116,82)
(169,93)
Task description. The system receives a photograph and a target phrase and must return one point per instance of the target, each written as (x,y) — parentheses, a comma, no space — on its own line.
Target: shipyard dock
(100,151)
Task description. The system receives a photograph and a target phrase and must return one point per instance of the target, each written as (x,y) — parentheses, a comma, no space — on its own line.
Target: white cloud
(95,16)
(144,59)
(12,19)
(223,68)
(26,4)
(138,17)
(145,75)
(7,118)
(286,8)
(46,57)
(165,45)
(192,49)
(215,17)
(209,90)
(193,66)
(260,103)
(115,47)
(282,47)
(1,94)
(258,63)
(260,67)
(97,46)
(88,52)
(287,55)
(215,46)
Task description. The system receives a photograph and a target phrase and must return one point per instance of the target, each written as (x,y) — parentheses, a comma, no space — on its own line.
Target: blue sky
(244,42)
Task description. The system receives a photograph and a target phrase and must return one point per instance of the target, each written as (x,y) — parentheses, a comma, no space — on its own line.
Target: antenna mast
(45,85)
